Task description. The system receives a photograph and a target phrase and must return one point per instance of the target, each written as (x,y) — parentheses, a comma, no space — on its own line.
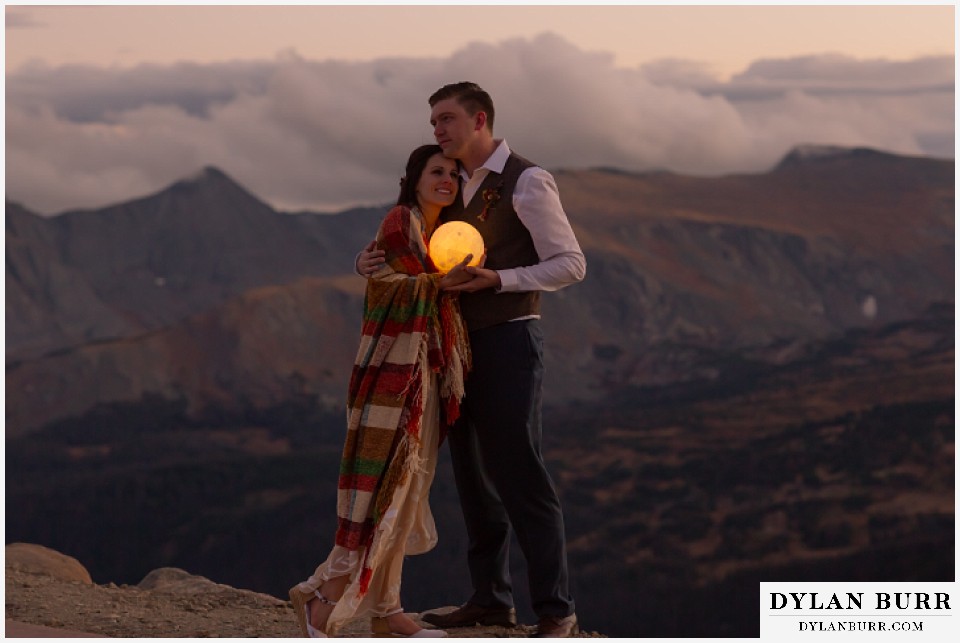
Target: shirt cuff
(509,281)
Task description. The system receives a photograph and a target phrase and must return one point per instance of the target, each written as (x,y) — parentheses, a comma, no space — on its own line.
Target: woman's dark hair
(415,164)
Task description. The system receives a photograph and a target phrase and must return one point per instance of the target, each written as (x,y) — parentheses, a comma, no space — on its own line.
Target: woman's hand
(370,260)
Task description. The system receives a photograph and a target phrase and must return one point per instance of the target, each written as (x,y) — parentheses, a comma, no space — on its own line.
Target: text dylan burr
(854,600)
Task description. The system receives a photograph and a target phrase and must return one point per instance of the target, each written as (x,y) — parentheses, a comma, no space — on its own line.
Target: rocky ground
(44,587)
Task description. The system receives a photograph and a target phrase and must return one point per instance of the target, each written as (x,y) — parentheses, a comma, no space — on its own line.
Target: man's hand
(457,275)
(481,278)
(370,260)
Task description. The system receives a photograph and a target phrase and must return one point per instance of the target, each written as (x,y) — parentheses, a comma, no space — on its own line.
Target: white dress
(406,529)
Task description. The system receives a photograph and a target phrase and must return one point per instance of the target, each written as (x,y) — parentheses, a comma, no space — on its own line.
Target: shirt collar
(496,162)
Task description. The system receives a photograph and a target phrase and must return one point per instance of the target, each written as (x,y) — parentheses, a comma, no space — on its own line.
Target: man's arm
(369,261)
(537,203)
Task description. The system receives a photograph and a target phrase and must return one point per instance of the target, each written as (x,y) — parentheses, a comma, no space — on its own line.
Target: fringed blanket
(410,330)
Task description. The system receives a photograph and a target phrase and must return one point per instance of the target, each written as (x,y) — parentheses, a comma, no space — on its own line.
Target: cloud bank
(17,18)
(328,134)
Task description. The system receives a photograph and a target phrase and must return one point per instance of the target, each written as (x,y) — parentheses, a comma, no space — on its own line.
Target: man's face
(453,127)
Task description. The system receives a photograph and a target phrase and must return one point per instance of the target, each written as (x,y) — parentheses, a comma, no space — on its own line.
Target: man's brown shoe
(556,627)
(468,615)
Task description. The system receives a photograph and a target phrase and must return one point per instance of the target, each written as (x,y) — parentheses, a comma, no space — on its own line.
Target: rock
(37,559)
(171,580)
(168,602)
(176,581)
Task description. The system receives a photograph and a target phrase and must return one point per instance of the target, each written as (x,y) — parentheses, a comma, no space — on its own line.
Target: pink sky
(314,107)
(727,37)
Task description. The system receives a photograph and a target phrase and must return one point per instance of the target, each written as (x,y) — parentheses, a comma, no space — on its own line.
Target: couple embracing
(457,355)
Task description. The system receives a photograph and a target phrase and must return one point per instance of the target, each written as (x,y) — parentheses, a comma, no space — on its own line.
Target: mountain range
(203,292)
(756,376)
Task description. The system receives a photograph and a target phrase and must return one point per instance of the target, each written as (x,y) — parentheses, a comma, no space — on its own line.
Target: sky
(317,107)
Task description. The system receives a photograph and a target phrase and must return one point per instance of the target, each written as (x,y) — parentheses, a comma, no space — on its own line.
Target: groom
(495,446)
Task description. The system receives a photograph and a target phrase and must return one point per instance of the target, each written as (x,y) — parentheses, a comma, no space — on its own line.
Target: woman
(407,381)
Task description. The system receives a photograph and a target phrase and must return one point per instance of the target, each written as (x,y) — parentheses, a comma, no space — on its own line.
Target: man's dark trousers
(500,474)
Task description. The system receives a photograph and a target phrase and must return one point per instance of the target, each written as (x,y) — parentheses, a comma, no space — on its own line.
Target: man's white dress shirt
(537,203)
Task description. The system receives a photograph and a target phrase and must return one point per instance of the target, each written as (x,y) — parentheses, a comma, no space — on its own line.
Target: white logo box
(858,611)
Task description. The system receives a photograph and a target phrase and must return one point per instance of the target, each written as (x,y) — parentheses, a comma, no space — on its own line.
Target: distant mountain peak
(818,151)
(809,153)
(206,174)
(209,180)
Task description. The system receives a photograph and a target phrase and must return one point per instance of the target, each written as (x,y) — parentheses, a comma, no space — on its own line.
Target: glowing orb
(452,242)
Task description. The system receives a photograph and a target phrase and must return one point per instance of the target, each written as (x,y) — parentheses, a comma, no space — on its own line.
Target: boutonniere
(491,196)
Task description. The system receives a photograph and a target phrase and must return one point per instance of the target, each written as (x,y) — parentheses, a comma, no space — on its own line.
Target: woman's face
(438,182)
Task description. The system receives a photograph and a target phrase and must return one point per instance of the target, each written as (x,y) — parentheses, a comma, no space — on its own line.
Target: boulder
(172,580)
(37,559)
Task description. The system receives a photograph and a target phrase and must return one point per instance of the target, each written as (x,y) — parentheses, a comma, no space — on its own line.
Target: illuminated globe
(453,241)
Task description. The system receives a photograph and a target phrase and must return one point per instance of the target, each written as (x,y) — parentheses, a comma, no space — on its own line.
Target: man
(495,447)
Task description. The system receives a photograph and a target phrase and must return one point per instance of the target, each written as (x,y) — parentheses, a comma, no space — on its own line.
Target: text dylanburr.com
(805,611)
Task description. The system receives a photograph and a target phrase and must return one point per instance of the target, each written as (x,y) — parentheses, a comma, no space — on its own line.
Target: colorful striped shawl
(411,329)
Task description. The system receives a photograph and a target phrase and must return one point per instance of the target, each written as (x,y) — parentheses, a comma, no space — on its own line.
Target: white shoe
(428,634)
(312,632)
(381,628)
(301,606)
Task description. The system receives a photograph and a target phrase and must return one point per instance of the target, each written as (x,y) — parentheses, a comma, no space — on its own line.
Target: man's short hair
(470,96)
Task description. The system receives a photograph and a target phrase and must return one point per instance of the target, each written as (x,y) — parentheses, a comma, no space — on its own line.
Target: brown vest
(508,244)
